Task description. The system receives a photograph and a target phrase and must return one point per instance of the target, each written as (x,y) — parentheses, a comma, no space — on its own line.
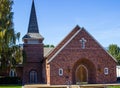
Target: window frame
(106,71)
(60,72)
(12,73)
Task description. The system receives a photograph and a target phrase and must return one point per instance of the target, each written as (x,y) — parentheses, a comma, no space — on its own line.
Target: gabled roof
(47,50)
(63,43)
(67,39)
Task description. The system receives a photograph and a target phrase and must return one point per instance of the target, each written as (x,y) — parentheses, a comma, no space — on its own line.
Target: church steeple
(33,26)
(33,30)
(33,47)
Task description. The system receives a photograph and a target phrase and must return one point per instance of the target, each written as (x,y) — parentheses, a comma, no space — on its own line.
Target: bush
(10,80)
(118,79)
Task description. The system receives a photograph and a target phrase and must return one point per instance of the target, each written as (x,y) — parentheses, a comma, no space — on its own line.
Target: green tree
(52,46)
(10,53)
(114,50)
(49,46)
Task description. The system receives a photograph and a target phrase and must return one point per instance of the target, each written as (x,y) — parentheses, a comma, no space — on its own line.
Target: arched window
(12,73)
(33,77)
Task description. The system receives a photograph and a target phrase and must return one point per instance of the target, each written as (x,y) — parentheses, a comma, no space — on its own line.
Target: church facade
(77,58)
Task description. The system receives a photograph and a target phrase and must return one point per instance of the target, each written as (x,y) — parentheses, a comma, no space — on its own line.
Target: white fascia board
(63,46)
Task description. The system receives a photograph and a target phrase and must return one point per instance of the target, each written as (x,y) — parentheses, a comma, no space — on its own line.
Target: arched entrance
(33,77)
(81,74)
(83,71)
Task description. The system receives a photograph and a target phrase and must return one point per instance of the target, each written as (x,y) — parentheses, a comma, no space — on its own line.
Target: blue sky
(56,18)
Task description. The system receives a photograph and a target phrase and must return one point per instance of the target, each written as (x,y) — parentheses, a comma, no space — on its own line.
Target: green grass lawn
(10,86)
(13,86)
(113,87)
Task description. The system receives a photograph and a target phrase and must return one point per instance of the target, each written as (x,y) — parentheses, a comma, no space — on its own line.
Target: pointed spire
(33,25)
(33,31)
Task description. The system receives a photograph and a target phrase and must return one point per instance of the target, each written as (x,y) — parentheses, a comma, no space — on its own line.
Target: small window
(106,71)
(60,72)
(12,73)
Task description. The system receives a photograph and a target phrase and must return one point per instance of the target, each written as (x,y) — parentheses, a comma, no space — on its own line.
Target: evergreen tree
(114,50)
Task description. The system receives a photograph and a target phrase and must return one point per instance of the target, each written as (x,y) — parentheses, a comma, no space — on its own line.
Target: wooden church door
(81,74)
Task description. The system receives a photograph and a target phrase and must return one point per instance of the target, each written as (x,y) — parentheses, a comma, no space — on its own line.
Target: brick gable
(69,54)
(63,42)
(83,34)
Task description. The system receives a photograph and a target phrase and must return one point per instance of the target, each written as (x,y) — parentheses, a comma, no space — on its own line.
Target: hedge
(10,80)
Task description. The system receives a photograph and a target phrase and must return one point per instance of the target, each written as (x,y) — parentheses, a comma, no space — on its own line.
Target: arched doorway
(33,77)
(81,74)
(83,71)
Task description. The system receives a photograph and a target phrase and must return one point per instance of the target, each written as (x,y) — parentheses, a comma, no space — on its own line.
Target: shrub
(10,80)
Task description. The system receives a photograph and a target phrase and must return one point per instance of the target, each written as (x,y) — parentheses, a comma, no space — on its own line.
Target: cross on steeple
(83,41)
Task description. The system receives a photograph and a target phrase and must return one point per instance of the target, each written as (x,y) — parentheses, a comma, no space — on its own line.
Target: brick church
(77,58)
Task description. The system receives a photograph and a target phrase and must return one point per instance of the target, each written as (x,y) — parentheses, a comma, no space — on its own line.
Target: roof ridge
(99,44)
(63,41)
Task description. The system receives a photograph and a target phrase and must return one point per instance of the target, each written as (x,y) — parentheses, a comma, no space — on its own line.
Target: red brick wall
(93,57)
(32,67)
(33,61)
(19,71)
(34,52)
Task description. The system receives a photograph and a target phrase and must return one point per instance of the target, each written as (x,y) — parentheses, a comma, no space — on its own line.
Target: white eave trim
(63,46)
(102,47)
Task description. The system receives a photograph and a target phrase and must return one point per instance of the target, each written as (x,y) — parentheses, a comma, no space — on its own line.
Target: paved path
(71,86)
